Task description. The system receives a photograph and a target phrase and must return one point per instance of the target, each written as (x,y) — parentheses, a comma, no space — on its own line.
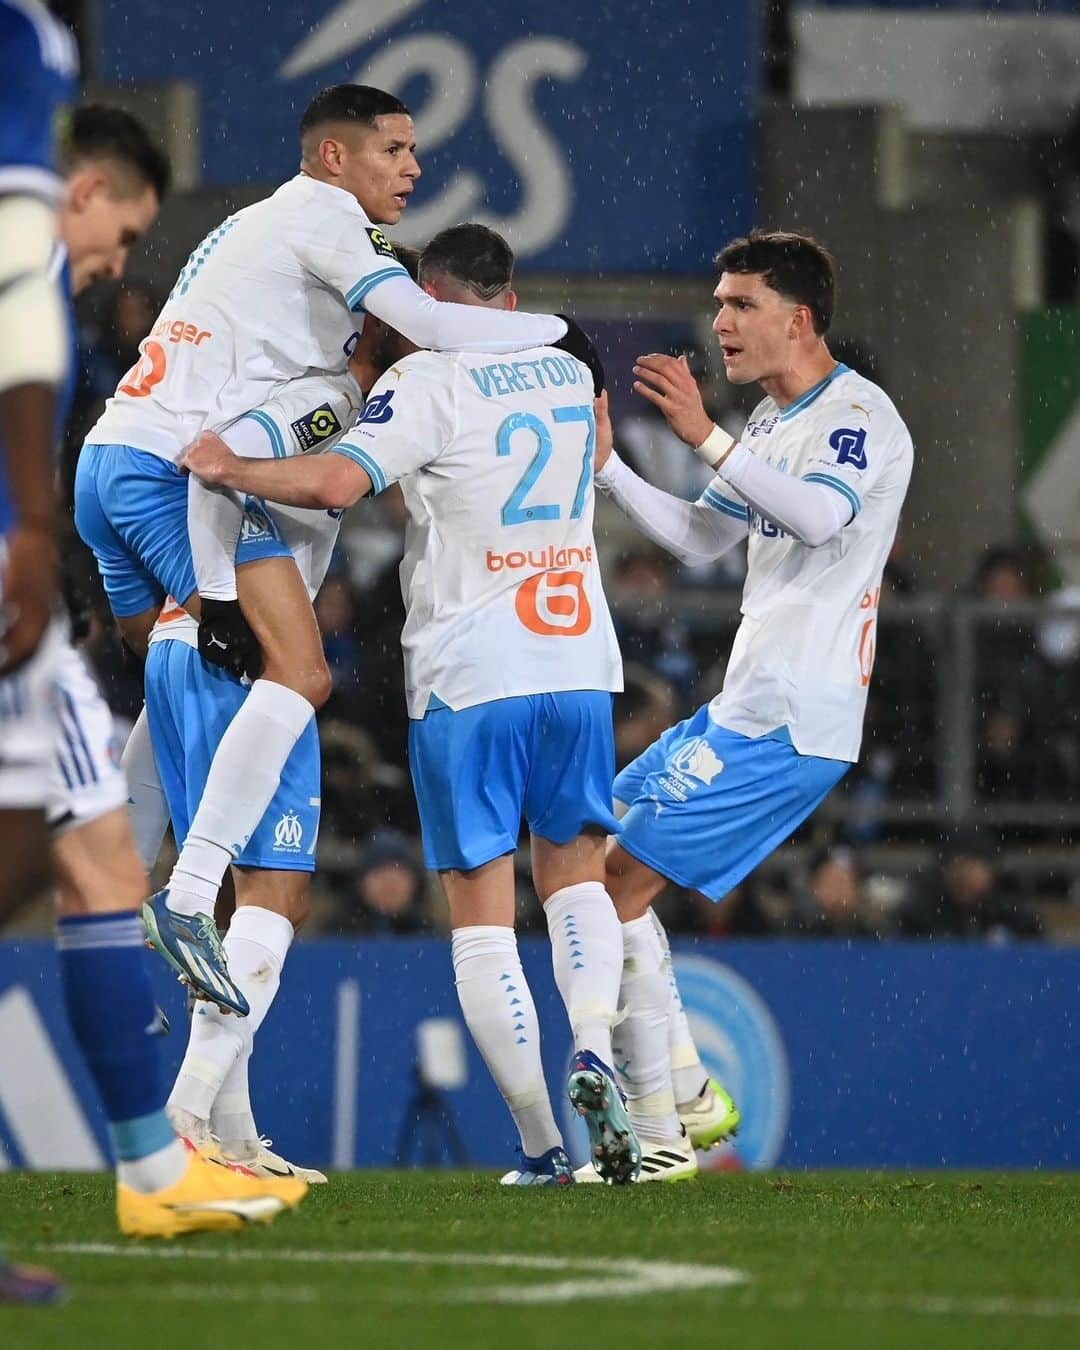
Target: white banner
(967,71)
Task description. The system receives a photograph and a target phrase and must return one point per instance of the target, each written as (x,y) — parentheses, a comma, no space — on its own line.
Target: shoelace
(207,932)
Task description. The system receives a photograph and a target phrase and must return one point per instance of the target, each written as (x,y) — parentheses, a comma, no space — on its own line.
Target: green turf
(831,1259)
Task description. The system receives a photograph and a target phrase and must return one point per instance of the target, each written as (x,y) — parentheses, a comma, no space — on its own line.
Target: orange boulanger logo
(554,604)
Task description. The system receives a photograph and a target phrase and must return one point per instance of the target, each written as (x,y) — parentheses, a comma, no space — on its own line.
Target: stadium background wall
(889,1056)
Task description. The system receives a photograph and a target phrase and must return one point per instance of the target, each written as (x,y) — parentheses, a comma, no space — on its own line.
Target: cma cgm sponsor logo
(740,1044)
(288,833)
(459,94)
(695,763)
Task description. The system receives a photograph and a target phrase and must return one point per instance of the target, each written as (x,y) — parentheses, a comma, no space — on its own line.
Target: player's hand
(29,591)
(667,382)
(605,437)
(225,639)
(209,458)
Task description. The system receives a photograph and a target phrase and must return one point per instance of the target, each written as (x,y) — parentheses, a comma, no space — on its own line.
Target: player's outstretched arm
(443,326)
(810,513)
(327,481)
(694,532)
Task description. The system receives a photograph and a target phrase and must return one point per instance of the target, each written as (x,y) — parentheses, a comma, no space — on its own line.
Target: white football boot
(264,1163)
(672,1160)
(712,1116)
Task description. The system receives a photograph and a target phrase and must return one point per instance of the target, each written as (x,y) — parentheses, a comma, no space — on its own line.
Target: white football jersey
(500,575)
(306,414)
(804,651)
(268,296)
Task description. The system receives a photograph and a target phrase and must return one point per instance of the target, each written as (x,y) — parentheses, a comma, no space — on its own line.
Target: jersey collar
(804,400)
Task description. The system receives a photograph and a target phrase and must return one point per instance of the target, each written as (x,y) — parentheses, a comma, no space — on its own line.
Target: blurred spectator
(1007,572)
(113,322)
(965,898)
(741,913)
(646,708)
(831,902)
(647,634)
(361,792)
(898,578)
(336,615)
(388,893)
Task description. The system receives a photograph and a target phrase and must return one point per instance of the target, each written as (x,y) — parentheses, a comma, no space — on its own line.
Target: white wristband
(715,447)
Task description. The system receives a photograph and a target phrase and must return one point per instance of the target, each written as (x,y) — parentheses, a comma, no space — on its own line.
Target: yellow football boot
(207,1198)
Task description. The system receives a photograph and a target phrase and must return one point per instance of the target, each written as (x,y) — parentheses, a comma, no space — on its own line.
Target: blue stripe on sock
(139,1138)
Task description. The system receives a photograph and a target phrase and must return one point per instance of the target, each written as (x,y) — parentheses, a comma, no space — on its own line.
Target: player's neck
(802,375)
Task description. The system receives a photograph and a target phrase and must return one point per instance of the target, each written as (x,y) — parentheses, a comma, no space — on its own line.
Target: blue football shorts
(706,805)
(547,757)
(131,509)
(190,703)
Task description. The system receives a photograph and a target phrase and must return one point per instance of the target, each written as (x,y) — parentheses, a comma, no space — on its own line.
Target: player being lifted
(510,661)
(190,704)
(269,296)
(818,482)
(57,745)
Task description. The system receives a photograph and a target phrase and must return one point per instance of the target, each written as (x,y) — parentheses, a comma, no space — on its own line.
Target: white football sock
(688,1075)
(587,953)
(147,806)
(231,1117)
(641,1039)
(156,1171)
(500,1013)
(255,945)
(243,778)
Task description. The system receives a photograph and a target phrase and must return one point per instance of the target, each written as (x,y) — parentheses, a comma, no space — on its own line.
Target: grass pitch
(449,1261)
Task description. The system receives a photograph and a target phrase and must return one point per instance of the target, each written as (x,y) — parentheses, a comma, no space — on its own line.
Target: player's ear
(430,289)
(511,300)
(331,154)
(83,184)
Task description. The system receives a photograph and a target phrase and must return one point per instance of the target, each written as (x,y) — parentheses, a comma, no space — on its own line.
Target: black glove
(578,343)
(225,639)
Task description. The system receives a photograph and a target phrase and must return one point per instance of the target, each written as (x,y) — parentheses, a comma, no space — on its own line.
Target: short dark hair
(97,132)
(349,103)
(796,266)
(409,258)
(472,254)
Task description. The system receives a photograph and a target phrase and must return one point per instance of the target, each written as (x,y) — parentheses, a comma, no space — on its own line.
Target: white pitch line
(635,1278)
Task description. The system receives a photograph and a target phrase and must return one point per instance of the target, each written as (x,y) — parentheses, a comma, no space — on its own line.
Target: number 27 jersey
(500,576)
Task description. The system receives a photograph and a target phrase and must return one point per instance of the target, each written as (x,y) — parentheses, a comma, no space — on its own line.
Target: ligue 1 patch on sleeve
(315,427)
(382,246)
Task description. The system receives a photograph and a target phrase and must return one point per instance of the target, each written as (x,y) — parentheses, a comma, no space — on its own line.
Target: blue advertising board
(840,1055)
(608,136)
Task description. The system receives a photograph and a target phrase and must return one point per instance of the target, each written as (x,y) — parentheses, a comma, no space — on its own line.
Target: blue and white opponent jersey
(500,575)
(38,71)
(804,651)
